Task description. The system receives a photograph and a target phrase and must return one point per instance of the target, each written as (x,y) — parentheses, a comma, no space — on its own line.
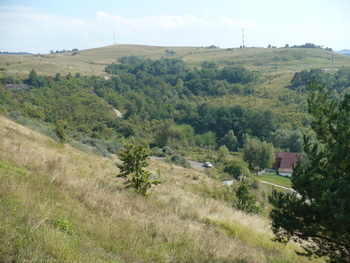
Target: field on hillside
(58,204)
(93,61)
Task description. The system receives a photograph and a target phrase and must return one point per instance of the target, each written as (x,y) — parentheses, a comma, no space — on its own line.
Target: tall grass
(58,204)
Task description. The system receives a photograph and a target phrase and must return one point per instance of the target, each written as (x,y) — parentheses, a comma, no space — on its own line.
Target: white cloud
(24,26)
(167,23)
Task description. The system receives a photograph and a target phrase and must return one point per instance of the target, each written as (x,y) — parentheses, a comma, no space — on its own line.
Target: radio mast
(243,37)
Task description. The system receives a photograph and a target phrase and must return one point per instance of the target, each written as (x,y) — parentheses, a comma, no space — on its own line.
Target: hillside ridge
(93,61)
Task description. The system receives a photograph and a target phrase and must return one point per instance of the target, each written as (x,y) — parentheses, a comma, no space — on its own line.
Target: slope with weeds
(58,204)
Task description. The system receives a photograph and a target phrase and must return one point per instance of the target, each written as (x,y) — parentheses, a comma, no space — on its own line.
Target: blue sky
(39,26)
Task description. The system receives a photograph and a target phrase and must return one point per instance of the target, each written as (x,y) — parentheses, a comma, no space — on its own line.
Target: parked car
(207,165)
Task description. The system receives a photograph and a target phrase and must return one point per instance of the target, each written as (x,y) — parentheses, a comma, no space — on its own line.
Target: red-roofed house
(284,162)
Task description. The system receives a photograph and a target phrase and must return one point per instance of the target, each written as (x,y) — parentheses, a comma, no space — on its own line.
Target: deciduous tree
(237,169)
(135,158)
(230,140)
(258,154)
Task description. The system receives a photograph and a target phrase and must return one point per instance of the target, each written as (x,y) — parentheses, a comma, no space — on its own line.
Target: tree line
(338,82)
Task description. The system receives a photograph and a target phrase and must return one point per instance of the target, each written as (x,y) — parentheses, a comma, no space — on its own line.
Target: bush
(237,169)
(222,154)
(158,152)
(178,160)
(167,150)
(33,124)
(65,225)
(102,147)
(246,200)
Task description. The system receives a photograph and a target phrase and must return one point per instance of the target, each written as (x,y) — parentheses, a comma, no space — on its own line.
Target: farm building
(284,163)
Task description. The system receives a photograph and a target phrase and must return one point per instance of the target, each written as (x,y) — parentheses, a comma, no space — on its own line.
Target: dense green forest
(163,102)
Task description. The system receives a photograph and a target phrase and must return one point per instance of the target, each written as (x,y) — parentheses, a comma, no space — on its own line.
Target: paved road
(195,165)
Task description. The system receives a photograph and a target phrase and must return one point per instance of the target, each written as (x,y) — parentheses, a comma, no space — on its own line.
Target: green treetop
(135,158)
(320,218)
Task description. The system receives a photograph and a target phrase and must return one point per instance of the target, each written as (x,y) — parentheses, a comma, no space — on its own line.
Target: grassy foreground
(58,204)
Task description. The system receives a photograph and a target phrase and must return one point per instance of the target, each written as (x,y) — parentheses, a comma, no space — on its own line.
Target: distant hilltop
(344,52)
(14,53)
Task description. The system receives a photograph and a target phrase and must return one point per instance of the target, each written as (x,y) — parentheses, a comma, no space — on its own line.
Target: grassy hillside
(93,61)
(58,204)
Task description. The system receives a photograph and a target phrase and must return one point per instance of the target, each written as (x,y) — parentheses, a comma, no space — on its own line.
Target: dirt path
(118,113)
(276,185)
(283,187)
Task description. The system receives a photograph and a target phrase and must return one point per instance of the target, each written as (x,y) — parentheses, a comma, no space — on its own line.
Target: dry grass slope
(93,61)
(58,204)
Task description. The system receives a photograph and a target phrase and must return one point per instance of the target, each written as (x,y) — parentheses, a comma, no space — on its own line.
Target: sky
(38,26)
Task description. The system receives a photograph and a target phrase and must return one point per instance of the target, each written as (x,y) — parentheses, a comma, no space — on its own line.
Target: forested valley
(163,103)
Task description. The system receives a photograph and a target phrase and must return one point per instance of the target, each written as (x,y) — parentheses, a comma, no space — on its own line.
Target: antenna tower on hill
(242,37)
(114,36)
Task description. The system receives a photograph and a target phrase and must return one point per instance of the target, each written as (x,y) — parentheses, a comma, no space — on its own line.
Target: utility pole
(114,36)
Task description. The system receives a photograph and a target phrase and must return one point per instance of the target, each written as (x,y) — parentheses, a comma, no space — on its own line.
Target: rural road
(280,186)
(199,167)
(195,165)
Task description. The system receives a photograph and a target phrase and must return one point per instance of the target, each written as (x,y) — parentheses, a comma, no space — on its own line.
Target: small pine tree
(319,218)
(245,199)
(135,158)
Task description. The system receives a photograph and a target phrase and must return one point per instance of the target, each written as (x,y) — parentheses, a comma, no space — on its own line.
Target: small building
(284,163)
